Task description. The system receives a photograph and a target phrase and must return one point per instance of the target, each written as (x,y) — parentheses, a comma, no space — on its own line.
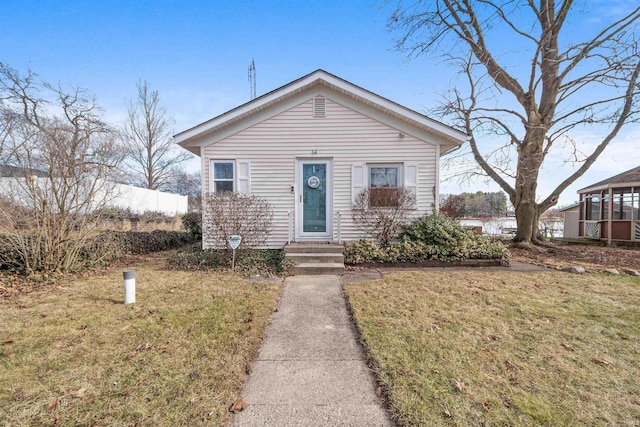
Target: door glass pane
(314,196)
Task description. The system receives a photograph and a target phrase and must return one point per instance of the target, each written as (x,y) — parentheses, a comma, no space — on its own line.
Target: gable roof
(191,139)
(629,177)
(569,207)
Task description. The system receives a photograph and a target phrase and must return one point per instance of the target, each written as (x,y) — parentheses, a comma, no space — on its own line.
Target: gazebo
(610,209)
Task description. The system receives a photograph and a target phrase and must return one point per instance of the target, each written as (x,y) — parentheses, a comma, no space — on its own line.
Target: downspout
(203,192)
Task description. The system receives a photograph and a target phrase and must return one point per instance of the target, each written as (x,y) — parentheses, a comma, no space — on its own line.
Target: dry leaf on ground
(239,406)
(79,394)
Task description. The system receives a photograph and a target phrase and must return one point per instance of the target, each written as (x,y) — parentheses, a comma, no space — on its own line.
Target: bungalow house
(311,146)
(610,209)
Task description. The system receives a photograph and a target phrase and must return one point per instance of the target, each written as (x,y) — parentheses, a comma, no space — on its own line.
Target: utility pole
(252,79)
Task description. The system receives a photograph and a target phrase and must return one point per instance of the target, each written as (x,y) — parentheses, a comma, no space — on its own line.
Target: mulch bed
(558,255)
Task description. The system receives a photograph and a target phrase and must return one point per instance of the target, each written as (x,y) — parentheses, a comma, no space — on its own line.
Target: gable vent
(319,106)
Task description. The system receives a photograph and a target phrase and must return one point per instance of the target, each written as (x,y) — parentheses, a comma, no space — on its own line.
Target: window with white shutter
(230,175)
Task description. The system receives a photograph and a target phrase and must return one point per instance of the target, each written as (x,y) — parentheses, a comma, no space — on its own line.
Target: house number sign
(234,241)
(313,182)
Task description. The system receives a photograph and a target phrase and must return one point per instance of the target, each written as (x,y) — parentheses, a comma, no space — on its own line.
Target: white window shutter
(411,178)
(244,177)
(358,180)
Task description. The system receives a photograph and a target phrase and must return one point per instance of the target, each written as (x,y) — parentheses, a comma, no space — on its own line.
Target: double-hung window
(385,181)
(224,172)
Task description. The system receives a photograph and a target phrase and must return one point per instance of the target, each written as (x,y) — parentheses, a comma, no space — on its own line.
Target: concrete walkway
(311,370)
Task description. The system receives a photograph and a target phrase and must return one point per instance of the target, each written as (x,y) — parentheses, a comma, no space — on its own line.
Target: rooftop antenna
(252,79)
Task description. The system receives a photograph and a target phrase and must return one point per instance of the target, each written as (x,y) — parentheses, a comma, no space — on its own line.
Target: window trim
(212,178)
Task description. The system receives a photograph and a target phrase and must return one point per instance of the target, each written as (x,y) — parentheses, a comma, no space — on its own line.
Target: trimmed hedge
(433,237)
(192,222)
(137,242)
(107,247)
(9,259)
(120,214)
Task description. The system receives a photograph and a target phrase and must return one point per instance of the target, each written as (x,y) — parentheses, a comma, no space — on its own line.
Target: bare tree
(152,156)
(7,122)
(62,162)
(382,211)
(527,81)
(227,213)
(453,206)
(190,185)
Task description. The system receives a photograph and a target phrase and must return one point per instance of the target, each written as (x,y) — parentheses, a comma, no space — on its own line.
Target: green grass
(76,355)
(476,348)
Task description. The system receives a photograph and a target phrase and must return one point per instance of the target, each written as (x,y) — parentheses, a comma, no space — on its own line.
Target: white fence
(141,199)
(136,199)
(506,227)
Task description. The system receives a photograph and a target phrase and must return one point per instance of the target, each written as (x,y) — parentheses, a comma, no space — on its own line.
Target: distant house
(610,209)
(310,147)
(571,221)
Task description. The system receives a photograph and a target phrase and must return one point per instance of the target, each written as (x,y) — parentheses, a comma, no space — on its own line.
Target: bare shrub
(228,213)
(453,206)
(62,162)
(381,212)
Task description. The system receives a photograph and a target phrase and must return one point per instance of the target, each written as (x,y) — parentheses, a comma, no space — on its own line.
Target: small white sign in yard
(234,241)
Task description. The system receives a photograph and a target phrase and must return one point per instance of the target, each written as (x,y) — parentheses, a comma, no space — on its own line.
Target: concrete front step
(315,257)
(317,268)
(314,248)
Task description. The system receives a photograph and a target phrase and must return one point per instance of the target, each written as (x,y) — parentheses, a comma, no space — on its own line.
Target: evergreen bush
(433,237)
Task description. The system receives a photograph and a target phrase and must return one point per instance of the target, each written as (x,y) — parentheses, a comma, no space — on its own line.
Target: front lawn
(487,348)
(75,355)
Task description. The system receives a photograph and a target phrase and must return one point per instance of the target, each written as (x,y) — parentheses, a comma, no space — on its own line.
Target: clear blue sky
(196,54)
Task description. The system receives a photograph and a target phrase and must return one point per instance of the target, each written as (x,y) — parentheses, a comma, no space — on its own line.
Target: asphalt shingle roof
(629,176)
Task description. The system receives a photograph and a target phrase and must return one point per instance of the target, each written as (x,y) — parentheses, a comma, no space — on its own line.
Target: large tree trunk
(529,163)
(525,219)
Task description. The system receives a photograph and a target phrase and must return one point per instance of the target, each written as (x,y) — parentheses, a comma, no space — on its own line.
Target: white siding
(572,223)
(344,135)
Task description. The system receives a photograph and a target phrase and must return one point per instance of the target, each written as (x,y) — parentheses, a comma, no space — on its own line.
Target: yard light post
(129,286)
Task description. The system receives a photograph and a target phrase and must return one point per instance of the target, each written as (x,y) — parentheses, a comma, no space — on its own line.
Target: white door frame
(299,208)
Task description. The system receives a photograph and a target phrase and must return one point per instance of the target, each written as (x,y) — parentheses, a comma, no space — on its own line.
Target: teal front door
(314,194)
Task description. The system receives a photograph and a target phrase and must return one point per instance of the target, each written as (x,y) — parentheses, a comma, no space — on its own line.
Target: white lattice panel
(592,229)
